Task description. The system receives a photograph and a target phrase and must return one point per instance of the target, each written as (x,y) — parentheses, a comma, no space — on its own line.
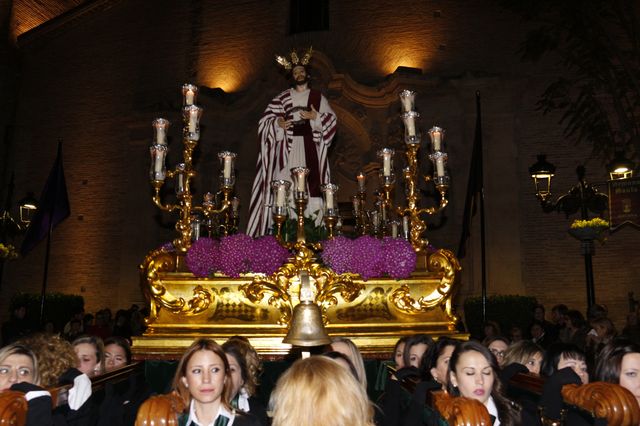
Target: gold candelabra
(225,210)
(378,220)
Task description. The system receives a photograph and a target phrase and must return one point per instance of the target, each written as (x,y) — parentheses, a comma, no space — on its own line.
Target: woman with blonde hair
(203,381)
(525,353)
(17,364)
(347,347)
(318,391)
(90,353)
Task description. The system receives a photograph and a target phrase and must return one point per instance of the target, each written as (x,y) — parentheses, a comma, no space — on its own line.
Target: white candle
(411,125)
(158,161)
(280,196)
(405,225)
(161,137)
(329,198)
(188,97)
(440,166)
(375,219)
(226,173)
(394,229)
(301,184)
(193,120)
(437,140)
(361,182)
(384,215)
(407,105)
(356,205)
(386,164)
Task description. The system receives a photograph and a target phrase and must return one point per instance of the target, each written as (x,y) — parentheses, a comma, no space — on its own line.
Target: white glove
(80,392)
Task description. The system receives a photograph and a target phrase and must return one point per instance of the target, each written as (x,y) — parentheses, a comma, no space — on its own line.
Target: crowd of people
(219,383)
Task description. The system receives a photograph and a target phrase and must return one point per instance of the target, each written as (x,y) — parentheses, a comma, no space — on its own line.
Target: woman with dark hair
(619,362)
(562,355)
(203,381)
(497,345)
(117,352)
(436,361)
(414,349)
(245,367)
(398,351)
(473,373)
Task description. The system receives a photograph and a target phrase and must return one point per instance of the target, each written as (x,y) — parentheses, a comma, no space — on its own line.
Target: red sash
(310,150)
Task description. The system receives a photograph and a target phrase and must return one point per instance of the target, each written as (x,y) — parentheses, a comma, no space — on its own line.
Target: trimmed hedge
(506,310)
(58,307)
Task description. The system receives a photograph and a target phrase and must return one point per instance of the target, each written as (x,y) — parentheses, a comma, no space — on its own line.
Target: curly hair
(248,360)
(335,397)
(55,356)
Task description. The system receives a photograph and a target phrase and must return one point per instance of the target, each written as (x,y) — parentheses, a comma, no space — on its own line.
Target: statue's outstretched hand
(309,115)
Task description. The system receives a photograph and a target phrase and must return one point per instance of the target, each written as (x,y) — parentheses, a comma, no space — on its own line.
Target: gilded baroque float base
(373,313)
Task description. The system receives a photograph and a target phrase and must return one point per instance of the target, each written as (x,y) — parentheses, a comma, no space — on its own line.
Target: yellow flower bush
(596,222)
(8,251)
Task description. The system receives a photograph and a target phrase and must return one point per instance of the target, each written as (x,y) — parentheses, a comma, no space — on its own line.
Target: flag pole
(45,276)
(483,252)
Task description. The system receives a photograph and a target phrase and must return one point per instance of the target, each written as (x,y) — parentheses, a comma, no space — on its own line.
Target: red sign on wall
(624,202)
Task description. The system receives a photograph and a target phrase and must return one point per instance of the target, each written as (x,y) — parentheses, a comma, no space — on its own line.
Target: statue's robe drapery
(281,150)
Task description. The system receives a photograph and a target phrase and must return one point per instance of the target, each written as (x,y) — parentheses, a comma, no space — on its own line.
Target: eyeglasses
(497,353)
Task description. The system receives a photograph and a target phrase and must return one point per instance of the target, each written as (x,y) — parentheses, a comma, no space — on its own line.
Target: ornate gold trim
(442,261)
(162,261)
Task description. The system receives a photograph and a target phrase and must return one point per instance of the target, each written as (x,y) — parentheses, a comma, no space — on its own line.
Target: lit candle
(361,182)
(440,166)
(160,125)
(188,97)
(436,137)
(193,120)
(226,173)
(189,92)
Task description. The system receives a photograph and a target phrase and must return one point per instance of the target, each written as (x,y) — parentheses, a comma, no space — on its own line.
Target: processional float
(304,294)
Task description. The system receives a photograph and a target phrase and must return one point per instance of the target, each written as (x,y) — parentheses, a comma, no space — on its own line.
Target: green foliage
(597,43)
(506,310)
(58,307)
(312,232)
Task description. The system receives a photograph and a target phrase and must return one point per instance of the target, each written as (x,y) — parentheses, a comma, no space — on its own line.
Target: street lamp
(620,167)
(582,197)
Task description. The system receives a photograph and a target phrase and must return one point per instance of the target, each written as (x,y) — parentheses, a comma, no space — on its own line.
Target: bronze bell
(306,328)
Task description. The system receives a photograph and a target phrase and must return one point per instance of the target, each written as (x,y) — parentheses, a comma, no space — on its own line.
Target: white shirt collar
(221,411)
(492,409)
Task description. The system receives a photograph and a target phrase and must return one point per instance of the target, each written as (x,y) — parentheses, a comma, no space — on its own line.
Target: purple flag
(53,207)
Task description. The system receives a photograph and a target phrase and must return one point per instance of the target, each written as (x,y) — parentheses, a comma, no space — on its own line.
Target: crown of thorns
(294,59)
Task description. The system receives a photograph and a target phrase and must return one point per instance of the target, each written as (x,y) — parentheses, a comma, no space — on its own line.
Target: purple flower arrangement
(370,257)
(234,255)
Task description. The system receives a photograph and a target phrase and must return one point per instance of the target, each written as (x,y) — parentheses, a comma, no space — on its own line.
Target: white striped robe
(274,155)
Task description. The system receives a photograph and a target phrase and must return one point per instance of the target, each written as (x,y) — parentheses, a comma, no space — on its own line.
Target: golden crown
(294,59)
